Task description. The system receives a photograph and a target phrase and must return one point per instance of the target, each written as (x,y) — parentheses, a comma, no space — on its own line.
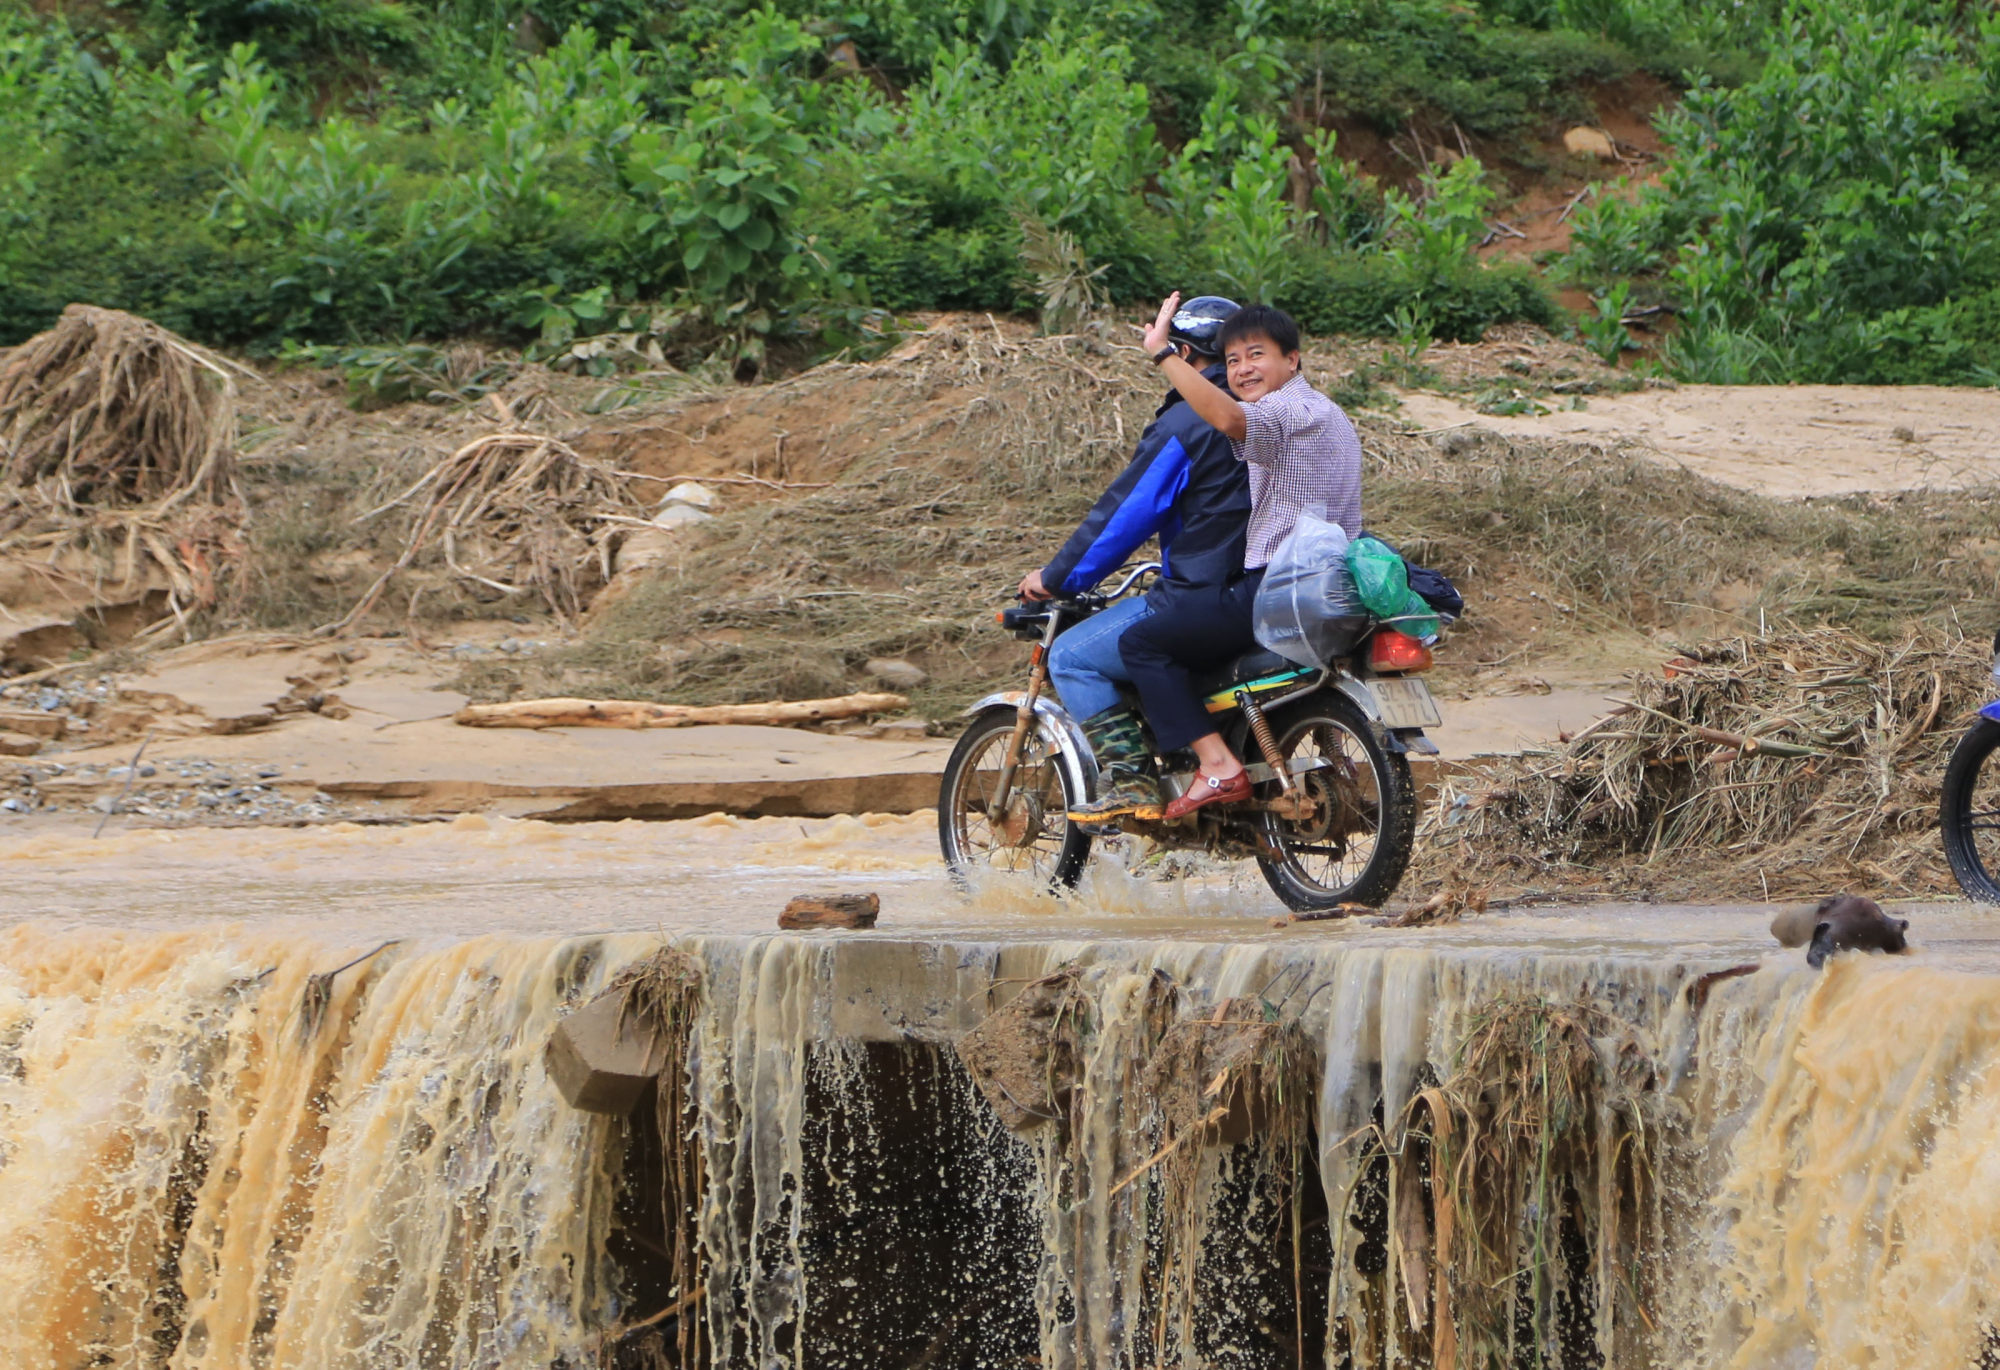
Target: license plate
(1405,703)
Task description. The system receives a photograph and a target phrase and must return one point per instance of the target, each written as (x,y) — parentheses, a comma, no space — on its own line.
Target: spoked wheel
(1349,839)
(1033,838)
(1969,813)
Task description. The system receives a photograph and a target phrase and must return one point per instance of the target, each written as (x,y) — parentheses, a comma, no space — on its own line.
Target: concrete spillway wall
(211,1155)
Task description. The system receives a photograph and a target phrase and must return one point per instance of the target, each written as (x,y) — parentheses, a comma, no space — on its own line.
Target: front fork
(1024,719)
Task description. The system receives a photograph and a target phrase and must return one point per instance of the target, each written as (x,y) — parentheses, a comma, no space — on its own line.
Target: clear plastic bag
(1306,609)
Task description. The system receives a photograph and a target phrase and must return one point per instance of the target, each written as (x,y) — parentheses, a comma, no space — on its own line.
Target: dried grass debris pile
(1750,767)
(517,513)
(108,410)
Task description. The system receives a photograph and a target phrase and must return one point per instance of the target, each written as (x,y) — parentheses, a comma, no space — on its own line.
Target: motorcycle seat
(1250,666)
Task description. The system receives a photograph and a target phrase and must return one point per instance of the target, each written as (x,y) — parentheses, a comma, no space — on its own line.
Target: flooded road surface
(478,875)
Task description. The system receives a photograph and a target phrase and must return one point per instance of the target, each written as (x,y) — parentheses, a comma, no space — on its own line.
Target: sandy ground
(1789,441)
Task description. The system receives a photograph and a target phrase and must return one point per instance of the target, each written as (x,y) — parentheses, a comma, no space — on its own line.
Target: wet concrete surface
(722,875)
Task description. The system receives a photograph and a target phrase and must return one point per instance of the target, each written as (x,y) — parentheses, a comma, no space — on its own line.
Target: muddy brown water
(191,1175)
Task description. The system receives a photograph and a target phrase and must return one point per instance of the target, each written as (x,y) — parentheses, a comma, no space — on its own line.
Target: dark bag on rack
(1435,589)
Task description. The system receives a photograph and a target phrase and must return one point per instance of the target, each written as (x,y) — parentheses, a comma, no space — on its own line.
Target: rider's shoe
(1208,790)
(1128,783)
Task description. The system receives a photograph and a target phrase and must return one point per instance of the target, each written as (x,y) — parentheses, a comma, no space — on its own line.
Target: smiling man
(1302,453)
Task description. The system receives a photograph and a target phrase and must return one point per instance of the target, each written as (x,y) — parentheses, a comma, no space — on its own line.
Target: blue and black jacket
(1184,484)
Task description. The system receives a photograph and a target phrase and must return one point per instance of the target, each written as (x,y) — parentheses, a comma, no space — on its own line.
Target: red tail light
(1390,651)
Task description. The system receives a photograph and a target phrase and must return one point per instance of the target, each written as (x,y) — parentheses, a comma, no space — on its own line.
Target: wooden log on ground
(633,713)
(831,911)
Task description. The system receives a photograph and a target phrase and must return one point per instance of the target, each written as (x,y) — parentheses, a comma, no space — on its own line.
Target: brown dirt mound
(1024,1058)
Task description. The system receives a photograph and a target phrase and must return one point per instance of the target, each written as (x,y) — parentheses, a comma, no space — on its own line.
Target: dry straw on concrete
(1750,767)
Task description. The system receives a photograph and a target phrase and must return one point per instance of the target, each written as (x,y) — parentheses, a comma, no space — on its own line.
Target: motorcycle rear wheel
(1035,837)
(1969,812)
(1369,791)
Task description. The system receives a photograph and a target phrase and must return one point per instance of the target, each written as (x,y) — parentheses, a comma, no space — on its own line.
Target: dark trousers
(1194,630)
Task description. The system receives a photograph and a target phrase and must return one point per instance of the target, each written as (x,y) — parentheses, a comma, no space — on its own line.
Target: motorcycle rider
(1302,453)
(1184,484)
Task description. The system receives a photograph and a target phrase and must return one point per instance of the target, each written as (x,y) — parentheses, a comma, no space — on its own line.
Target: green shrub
(1362,294)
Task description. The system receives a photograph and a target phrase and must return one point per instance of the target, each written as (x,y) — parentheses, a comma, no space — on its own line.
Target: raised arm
(1216,406)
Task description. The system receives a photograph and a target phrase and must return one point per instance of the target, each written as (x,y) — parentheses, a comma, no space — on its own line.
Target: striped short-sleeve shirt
(1303,454)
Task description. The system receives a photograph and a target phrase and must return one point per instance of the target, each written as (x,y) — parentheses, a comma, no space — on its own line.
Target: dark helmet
(1198,320)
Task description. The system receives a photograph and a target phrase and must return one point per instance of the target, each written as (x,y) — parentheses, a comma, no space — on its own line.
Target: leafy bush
(1363,294)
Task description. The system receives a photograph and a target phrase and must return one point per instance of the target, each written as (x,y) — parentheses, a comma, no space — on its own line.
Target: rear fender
(1057,730)
(1991,711)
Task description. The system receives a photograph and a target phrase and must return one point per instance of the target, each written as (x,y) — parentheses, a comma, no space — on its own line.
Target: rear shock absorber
(1268,744)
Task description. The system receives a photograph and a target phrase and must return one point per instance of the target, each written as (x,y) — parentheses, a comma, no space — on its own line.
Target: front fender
(1991,711)
(1056,729)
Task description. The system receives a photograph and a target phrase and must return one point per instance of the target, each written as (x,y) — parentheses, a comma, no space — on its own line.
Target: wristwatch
(1164,353)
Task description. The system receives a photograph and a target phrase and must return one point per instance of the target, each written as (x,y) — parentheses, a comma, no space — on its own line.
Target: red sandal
(1208,790)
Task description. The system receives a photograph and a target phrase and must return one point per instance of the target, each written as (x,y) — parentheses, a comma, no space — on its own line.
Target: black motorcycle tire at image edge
(963,853)
(1957,814)
(1396,824)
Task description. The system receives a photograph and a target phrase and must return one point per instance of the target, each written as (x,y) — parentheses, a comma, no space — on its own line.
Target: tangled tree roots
(518,513)
(109,410)
(1781,766)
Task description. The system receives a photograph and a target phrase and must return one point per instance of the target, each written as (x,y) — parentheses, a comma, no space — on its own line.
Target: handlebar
(1131,579)
(1029,618)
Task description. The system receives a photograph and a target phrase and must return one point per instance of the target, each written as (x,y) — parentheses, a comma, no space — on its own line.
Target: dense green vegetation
(713,179)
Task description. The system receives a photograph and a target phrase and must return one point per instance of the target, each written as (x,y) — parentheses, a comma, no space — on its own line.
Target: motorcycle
(1333,815)
(1969,808)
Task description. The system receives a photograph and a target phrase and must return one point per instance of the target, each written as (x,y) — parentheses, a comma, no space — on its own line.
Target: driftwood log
(632,713)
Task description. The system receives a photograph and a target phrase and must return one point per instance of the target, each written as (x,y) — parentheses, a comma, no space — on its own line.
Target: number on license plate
(1405,703)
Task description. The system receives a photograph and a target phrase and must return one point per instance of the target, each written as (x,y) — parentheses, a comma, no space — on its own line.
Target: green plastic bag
(1382,581)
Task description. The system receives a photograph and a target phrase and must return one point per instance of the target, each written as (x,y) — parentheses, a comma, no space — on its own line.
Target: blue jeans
(1085,663)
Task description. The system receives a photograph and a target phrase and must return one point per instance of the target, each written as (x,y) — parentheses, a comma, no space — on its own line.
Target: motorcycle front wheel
(1969,812)
(1033,837)
(1356,842)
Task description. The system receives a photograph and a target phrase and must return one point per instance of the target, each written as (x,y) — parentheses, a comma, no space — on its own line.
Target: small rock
(690,493)
(13,806)
(903,730)
(896,671)
(1590,142)
(831,911)
(677,515)
(267,772)
(147,770)
(510,645)
(321,797)
(19,744)
(104,803)
(208,801)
